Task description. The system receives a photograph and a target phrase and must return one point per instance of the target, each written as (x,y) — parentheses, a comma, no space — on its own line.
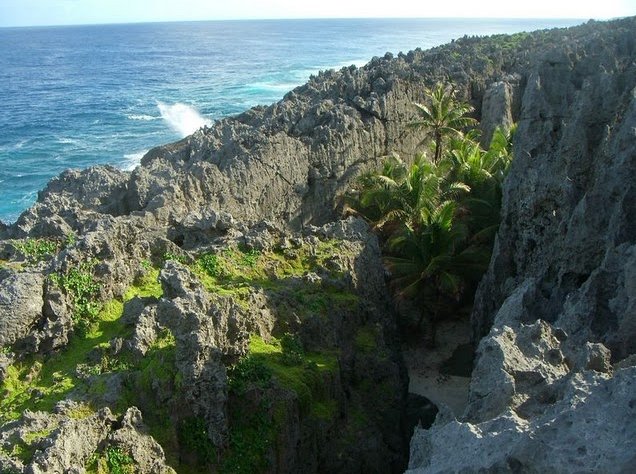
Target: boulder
(21,302)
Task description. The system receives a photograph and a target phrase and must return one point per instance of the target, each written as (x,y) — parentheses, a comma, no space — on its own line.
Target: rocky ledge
(210,310)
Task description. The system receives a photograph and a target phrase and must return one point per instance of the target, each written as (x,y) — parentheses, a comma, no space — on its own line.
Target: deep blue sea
(71,97)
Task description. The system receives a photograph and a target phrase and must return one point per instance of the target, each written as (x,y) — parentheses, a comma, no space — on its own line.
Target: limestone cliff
(228,243)
(555,315)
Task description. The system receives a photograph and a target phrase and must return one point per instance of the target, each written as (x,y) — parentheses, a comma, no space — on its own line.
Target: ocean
(75,96)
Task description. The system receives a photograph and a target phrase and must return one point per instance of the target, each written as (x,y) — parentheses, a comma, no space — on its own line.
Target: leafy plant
(112,461)
(248,370)
(292,350)
(442,116)
(173,256)
(438,218)
(193,437)
(70,239)
(209,263)
(250,257)
(37,250)
(80,284)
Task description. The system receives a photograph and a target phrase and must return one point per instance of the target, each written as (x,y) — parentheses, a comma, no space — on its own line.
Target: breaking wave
(182,118)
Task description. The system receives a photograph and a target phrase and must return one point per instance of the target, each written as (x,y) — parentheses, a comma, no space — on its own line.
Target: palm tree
(405,195)
(436,264)
(483,171)
(443,117)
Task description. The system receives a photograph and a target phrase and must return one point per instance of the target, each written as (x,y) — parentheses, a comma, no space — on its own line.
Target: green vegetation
(268,368)
(438,218)
(79,283)
(112,461)
(238,272)
(366,340)
(193,439)
(39,250)
(305,376)
(442,117)
(36,383)
(173,256)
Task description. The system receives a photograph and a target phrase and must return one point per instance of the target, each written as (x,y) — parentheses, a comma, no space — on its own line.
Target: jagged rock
(523,363)
(143,319)
(73,443)
(209,334)
(132,438)
(21,302)
(72,199)
(557,305)
(497,108)
(565,255)
(584,431)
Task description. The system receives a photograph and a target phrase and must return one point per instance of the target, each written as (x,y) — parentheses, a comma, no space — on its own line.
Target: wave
(182,118)
(143,117)
(132,160)
(69,141)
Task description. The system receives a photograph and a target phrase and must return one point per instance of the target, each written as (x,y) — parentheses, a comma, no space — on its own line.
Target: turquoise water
(76,96)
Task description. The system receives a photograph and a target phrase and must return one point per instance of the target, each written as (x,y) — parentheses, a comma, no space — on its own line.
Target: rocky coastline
(240,323)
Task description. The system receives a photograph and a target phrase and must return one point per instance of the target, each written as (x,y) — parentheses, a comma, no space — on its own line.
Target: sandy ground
(424,363)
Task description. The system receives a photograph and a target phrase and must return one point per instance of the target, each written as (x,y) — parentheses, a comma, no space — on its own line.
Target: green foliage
(112,461)
(366,340)
(250,257)
(37,384)
(438,218)
(173,256)
(80,284)
(442,116)
(249,370)
(118,461)
(292,352)
(193,438)
(37,250)
(305,378)
(70,239)
(254,420)
(209,264)
(251,437)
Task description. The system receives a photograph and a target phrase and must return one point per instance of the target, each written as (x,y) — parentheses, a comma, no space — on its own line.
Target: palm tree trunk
(438,147)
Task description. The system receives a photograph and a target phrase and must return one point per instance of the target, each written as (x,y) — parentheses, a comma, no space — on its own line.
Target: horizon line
(219,20)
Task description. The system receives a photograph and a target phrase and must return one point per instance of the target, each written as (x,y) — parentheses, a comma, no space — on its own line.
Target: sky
(73,12)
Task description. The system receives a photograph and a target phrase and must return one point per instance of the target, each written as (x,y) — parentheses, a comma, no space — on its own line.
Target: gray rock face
(72,444)
(578,433)
(556,307)
(21,302)
(132,438)
(210,333)
(498,107)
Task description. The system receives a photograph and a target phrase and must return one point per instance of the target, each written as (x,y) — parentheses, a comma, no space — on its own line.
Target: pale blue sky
(64,12)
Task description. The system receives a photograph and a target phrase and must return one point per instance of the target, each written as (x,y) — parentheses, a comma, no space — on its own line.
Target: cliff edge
(210,310)
(553,388)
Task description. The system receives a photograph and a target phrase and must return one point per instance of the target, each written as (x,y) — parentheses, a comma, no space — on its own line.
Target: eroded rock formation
(554,316)
(553,387)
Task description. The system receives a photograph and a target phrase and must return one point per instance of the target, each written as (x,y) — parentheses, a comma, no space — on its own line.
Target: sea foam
(133,160)
(182,118)
(142,117)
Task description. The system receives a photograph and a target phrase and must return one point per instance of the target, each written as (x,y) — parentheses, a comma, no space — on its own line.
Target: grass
(237,273)
(36,383)
(256,420)
(366,340)
(305,378)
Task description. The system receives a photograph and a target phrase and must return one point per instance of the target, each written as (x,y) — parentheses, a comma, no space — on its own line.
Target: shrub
(79,283)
